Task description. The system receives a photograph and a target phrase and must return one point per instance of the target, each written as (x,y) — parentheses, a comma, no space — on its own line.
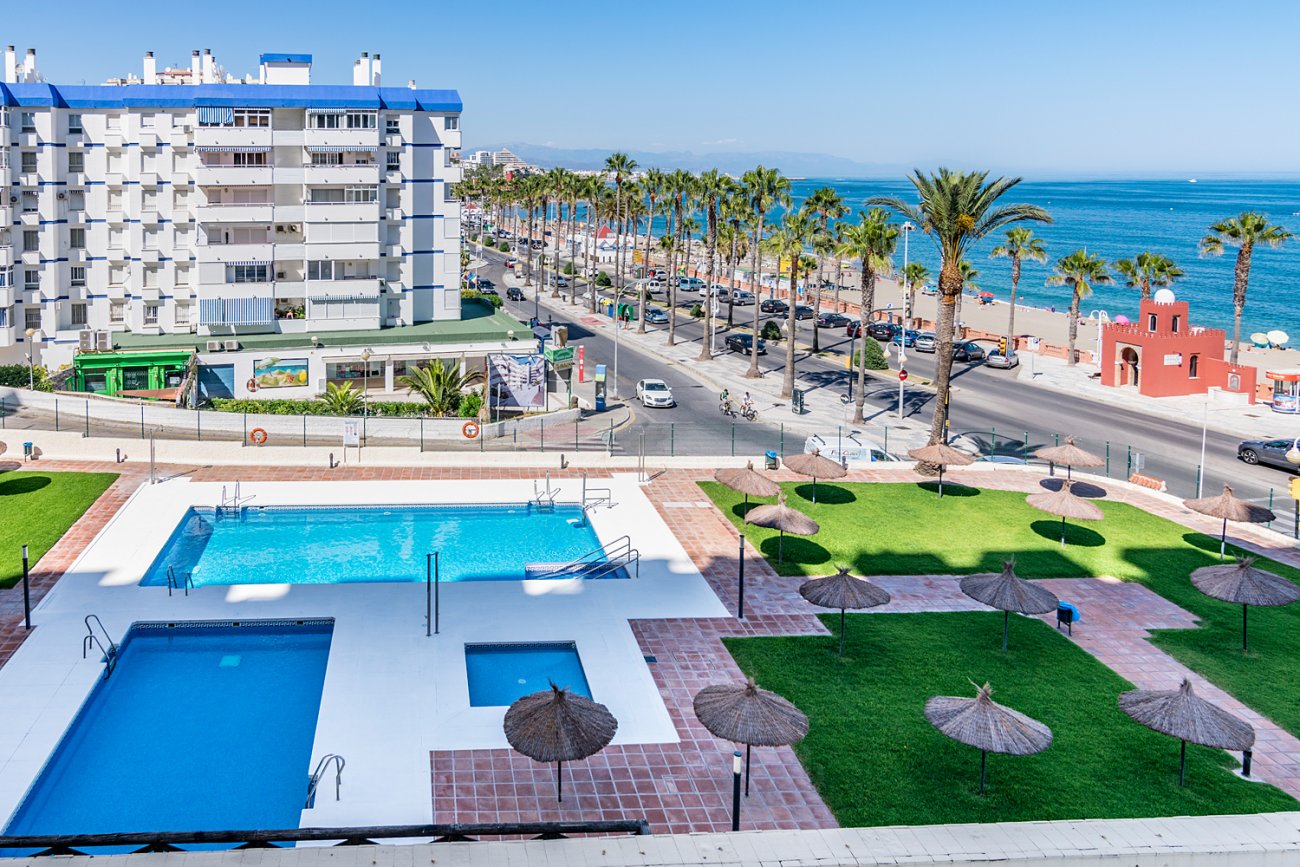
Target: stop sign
(902,375)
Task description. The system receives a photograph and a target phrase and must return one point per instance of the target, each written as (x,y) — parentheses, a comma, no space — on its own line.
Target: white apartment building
(198,206)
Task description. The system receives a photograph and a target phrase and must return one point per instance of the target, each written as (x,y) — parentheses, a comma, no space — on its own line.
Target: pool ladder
(230,503)
(174,583)
(314,783)
(107,647)
(544,500)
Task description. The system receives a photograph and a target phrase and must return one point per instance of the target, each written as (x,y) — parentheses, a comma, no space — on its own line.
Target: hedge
(19,375)
(380,408)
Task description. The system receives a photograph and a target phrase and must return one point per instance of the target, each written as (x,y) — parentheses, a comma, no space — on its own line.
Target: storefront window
(354,372)
(134,378)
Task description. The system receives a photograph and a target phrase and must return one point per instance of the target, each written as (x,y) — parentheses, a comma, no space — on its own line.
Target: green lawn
(876,761)
(904,529)
(36,509)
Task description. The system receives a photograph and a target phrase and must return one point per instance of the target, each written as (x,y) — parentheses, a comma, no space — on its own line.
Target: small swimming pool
(199,727)
(359,544)
(500,674)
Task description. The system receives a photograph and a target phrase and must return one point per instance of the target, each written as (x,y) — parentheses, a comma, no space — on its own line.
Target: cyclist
(724,403)
(747,406)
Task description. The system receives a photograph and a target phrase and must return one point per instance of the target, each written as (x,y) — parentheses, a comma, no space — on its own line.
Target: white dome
(1164,296)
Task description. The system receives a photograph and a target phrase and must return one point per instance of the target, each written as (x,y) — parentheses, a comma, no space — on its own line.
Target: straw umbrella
(942,455)
(748,481)
(784,519)
(1229,507)
(1243,584)
(559,726)
(1066,504)
(842,591)
(745,714)
(1182,714)
(1070,456)
(1008,593)
(816,466)
(989,727)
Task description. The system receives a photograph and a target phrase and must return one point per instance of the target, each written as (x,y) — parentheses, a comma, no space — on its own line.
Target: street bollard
(142,421)
(672,440)
(87,419)
(1108,459)
(27,593)
(304,430)
(56,414)
(1270,506)
(1128,467)
(422,433)
(733,439)
(541,426)
(198,425)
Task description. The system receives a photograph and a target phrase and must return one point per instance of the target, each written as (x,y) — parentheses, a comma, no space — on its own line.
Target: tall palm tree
(530,192)
(734,212)
(1020,244)
(872,241)
(1147,270)
(619,167)
(956,209)
(655,184)
(969,274)
(837,240)
(561,182)
(914,275)
(790,240)
(712,186)
(1243,231)
(825,205)
(679,186)
(545,190)
(764,189)
(1080,271)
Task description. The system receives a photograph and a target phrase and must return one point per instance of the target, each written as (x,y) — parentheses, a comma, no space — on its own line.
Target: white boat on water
(1191,180)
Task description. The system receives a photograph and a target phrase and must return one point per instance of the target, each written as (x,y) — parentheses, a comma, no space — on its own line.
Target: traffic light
(1002,346)
(1295,489)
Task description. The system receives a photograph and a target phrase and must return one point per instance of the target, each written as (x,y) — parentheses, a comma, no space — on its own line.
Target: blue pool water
(198,728)
(340,545)
(499,674)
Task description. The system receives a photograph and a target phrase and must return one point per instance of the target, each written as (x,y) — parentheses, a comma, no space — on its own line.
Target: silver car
(1006,362)
(924,342)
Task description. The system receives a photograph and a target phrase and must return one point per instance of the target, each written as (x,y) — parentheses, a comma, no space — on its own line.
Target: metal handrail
(316,775)
(92,640)
(187,584)
(616,554)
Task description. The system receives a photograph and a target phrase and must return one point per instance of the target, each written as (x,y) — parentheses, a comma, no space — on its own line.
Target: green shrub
(771,331)
(697,311)
(873,354)
(19,375)
(602,279)
(569,269)
(504,246)
(470,294)
(470,405)
(274,406)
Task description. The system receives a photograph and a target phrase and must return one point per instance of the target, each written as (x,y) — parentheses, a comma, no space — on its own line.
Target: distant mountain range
(791,163)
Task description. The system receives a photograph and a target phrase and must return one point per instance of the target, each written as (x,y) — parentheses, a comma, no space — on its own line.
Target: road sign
(902,376)
(351,433)
(560,357)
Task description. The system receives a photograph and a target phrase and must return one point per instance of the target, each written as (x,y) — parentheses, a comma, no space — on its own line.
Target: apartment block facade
(221,208)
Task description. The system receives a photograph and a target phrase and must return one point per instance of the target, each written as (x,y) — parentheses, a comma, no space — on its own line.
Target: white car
(654,392)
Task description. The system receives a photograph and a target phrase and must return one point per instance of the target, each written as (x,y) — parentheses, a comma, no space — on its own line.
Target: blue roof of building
(232,95)
(284,58)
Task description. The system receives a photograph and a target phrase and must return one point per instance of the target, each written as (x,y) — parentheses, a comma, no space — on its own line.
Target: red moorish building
(1163,355)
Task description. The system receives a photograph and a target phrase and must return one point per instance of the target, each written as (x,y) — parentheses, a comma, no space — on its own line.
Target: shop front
(146,373)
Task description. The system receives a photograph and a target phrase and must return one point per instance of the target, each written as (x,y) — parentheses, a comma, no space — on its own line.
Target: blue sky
(1044,88)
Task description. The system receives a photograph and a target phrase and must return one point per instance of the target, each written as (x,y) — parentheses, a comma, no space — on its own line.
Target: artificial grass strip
(877,761)
(36,509)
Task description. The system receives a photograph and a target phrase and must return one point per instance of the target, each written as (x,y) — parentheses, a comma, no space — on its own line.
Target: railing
(173,583)
(172,841)
(107,647)
(314,782)
(602,562)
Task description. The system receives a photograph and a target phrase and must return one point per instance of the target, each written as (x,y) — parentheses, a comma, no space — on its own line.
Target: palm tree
(713,187)
(1243,231)
(530,192)
(342,400)
(1080,271)
(1021,244)
(1146,270)
(679,184)
(790,240)
(837,240)
(956,209)
(764,189)
(734,212)
(619,166)
(968,277)
(655,183)
(914,275)
(545,189)
(561,183)
(872,240)
(441,385)
(825,205)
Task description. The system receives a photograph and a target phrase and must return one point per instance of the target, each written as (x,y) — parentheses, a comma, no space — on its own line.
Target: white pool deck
(391,694)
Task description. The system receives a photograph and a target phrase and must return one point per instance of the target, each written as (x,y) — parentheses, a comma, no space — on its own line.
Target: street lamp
(365,379)
(907,314)
(736,764)
(31,363)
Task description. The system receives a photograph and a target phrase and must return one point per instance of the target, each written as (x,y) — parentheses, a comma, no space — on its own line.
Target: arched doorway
(1129,361)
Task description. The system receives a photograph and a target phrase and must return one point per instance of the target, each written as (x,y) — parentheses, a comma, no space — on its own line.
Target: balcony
(8,335)
(367,250)
(341,212)
(232,176)
(8,296)
(363,138)
(290,251)
(235,252)
(251,212)
(233,136)
(341,174)
(182,137)
(6,257)
(288,137)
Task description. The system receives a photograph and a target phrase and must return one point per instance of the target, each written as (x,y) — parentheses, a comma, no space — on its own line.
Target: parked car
(690,284)
(743,298)
(512,263)
(654,392)
(514,293)
(968,350)
(1270,452)
(654,284)
(558,280)
(803,311)
(925,342)
(882,330)
(774,305)
(908,337)
(833,320)
(743,343)
(1005,362)
(656,316)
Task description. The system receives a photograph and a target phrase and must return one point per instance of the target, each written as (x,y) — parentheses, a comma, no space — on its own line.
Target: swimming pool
(359,544)
(500,674)
(199,727)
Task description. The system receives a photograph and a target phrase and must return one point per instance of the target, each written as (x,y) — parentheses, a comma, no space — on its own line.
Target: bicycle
(726,408)
(748,413)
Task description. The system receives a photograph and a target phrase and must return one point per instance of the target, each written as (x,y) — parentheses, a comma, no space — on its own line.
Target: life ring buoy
(251,384)
(470,430)
(257,436)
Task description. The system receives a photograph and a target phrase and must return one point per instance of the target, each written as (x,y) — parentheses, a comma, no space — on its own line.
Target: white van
(849,450)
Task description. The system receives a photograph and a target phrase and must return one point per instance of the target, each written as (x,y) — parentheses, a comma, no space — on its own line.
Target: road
(991,407)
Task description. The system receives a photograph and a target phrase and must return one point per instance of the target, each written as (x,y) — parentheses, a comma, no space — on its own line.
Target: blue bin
(27,450)
(771,461)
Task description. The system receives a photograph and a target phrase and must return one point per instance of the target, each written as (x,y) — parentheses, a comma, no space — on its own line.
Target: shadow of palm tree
(1088,490)
(950,488)
(1074,533)
(23,485)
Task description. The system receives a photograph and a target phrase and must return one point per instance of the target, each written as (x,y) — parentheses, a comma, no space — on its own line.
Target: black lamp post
(737,761)
(740,597)
(27,594)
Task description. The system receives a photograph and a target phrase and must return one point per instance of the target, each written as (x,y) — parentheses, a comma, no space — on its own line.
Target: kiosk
(1286,389)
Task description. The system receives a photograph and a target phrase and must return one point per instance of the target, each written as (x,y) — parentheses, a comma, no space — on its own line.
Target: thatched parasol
(842,591)
(1070,456)
(1182,714)
(816,466)
(559,726)
(743,713)
(1245,585)
(748,481)
(1008,593)
(783,518)
(941,455)
(990,727)
(1229,507)
(1066,504)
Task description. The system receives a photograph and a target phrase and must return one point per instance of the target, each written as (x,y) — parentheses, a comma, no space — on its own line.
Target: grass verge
(36,509)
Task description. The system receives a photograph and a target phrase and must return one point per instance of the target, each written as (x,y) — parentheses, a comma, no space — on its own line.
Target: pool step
(584,569)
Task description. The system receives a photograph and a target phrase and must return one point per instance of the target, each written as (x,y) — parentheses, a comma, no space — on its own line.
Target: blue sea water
(500,674)
(342,545)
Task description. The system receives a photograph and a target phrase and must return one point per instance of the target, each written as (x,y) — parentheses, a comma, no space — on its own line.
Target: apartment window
(181,198)
(77,239)
(78,275)
(183,238)
(331,159)
(320,270)
(182,276)
(150,278)
(31,238)
(257,117)
(451,122)
(116,312)
(1151,322)
(449,193)
(78,313)
(252,158)
(28,162)
(362,119)
(149,162)
(30,203)
(323,121)
(450,157)
(151,239)
(115,164)
(151,314)
(115,200)
(181,313)
(27,121)
(394,161)
(1194,366)
(1176,323)
(113,122)
(76,162)
(339,195)
(116,239)
(6,277)
(249,274)
(76,200)
(149,200)
(146,121)
(74,123)
(31,278)
(117,275)
(32,318)
(394,125)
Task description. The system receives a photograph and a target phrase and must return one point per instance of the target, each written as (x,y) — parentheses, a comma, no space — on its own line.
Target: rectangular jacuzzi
(500,674)
(199,726)
(358,544)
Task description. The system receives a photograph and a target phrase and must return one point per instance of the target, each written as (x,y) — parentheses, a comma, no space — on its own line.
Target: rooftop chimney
(150,68)
(196,67)
(410,82)
(361,71)
(11,65)
(29,65)
(374,71)
(209,67)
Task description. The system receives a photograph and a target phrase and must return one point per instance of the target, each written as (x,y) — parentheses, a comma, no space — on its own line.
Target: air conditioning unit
(214,346)
(86,341)
(231,345)
(280,275)
(103,341)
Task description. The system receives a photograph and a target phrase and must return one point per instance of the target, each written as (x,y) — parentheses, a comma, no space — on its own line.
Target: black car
(514,293)
(774,305)
(1270,452)
(486,286)
(832,320)
(743,343)
(803,311)
(968,350)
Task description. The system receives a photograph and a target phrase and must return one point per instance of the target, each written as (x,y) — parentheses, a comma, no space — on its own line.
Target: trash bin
(1066,615)
(796,401)
(771,461)
(27,451)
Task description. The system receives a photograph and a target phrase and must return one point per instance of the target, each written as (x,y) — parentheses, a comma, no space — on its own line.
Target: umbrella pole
(746,512)
(1062,531)
(559,782)
(814,490)
(748,748)
(1182,761)
(1006,624)
(983,758)
(1244,606)
(841,632)
(1223,539)
(780,546)
(941,481)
